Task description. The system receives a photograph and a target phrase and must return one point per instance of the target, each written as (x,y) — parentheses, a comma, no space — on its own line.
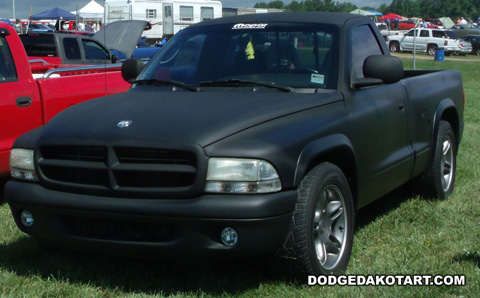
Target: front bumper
(154,228)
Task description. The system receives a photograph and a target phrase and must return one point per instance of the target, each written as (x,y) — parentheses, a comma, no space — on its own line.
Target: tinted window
(7,66)
(72,50)
(286,54)
(409,33)
(94,51)
(364,44)
(39,45)
(424,33)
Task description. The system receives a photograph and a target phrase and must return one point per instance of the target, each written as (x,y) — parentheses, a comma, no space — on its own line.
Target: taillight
(446,43)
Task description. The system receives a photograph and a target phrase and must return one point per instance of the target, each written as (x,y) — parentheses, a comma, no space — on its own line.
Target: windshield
(287,55)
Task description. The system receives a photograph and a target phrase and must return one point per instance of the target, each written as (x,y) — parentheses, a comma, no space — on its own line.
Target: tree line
(408,8)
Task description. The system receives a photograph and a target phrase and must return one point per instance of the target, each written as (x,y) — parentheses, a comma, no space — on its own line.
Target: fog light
(229,237)
(27,218)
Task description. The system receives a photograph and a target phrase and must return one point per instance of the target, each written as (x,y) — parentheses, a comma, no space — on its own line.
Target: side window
(186,13)
(409,33)
(93,50)
(168,12)
(151,14)
(206,13)
(7,67)
(72,50)
(364,44)
(424,33)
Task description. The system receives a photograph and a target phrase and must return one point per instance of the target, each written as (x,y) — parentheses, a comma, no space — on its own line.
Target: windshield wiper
(236,82)
(167,82)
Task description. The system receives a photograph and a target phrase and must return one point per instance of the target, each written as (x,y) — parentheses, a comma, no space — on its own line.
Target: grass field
(399,234)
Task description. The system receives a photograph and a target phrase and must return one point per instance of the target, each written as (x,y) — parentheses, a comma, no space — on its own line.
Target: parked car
(406,25)
(426,40)
(435,22)
(114,42)
(243,136)
(475,41)
(39,28)
(34,91)
(466,29)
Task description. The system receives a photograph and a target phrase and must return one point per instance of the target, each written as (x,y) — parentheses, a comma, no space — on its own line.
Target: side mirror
(131,68)
(114,58)
(389,69)
(380,69)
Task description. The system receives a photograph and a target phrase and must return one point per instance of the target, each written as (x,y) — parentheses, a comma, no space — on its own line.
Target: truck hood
(122,36)
(181,117)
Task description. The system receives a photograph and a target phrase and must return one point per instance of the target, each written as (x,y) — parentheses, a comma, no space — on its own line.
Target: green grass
(399,234)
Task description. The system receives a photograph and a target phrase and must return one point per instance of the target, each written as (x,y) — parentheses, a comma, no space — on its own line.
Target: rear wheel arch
(447,111)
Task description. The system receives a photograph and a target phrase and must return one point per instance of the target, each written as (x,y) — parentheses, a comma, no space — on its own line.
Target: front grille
(120,170)
(118,230)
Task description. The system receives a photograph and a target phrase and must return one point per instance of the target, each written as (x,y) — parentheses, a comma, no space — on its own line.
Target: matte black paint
(380,137)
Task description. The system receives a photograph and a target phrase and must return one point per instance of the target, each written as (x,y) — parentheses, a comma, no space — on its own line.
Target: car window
(365,44)
(438,34)
(409,33)
(286,54)
(94,51)
(72,50)
(7,66)
(39,45)
(424,33)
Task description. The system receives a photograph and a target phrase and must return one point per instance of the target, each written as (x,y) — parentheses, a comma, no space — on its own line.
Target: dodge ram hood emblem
(124,123)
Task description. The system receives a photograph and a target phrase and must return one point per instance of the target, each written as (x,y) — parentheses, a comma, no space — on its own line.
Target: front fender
(325,149)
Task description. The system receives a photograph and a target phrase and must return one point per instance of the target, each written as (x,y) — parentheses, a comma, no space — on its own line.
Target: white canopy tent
(92,10)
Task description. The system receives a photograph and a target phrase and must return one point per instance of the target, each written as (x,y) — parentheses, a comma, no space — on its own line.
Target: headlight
(232,175)
(22,165)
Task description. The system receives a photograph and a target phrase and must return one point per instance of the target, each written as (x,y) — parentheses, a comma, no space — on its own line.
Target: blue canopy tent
(378,14)
(54,14)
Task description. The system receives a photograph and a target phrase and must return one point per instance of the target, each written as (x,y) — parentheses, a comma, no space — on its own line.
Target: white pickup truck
(427,40)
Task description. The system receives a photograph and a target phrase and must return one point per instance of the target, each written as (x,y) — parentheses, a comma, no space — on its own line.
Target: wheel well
(432,44)
(345,160)
(450,115)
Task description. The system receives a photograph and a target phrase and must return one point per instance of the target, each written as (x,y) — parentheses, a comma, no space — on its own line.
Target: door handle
(23,101)
(401,106)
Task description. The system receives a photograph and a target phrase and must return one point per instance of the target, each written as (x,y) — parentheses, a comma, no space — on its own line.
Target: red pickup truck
(34,91)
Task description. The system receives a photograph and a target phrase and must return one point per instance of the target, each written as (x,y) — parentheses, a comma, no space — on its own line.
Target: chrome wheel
(329,224)
(447,164)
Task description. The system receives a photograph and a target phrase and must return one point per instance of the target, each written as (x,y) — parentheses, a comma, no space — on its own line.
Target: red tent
(391,16)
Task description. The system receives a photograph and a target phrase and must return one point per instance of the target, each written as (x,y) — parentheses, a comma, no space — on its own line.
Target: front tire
(431,50)
(394,46)
(323,222)
(439,179)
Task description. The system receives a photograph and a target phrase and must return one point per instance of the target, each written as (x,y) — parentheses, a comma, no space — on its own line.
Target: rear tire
(431,50)
(323,221)
(439,179)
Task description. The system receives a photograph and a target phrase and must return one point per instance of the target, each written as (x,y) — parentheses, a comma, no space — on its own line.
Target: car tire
(323,222)
(477,52)
(431,50)
(439,180)
(394,46)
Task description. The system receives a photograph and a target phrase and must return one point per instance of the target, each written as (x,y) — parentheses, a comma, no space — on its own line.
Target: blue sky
(22,7)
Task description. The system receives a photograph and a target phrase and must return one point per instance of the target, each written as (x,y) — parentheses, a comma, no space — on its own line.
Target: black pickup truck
(243,136)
